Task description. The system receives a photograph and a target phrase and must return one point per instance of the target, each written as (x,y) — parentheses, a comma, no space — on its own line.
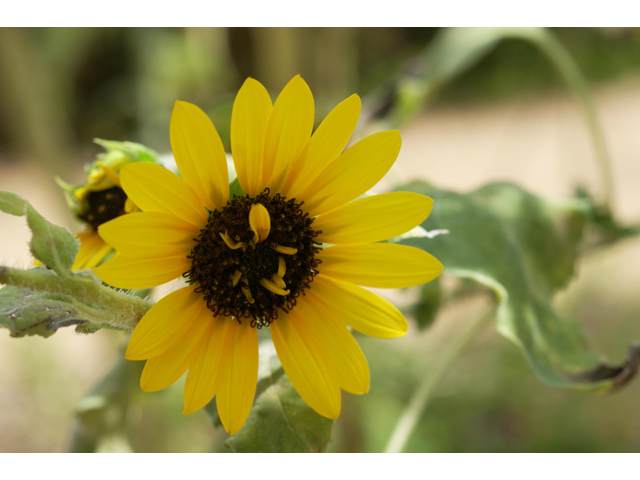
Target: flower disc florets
(103,205)
(242,275)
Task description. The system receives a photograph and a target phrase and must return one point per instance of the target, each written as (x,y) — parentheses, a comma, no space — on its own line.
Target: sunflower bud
(100,198)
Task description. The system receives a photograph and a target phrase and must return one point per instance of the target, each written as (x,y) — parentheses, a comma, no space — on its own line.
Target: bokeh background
(509,116)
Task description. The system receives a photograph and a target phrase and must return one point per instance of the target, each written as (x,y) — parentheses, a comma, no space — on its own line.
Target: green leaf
(52,244)
(280,421)
(523,248)
(12,203)
(604,228)
(25,312)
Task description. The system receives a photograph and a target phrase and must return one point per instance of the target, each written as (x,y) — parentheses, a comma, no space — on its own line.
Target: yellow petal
(164,370)
(307,364)
(319,322)
(149,234)
(326,144)
(235,396)
(288,131)
(90,243)
(103,250)
(205,372)
(153,188)
(249,119)
(352,173)
(128,272)
(165,324)
(379,265)
(360,309)
(374,218)
(199,154)
(260,222)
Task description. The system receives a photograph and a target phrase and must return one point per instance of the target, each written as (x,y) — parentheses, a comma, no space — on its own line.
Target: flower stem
(571,74)
(113,307)
(414,410)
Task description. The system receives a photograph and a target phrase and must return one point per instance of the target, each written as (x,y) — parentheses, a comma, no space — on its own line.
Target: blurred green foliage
(60,88)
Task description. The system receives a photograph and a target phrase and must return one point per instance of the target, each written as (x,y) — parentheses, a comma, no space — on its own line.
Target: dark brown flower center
(104,205)
(242,277)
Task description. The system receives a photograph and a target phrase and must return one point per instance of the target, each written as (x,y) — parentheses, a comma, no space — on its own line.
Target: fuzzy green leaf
(12,203)
(281,421)
(52,244)
(523,248)
(27,313)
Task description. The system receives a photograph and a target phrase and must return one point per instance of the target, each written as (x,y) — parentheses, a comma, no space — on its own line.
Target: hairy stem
(118,309)
(414,410)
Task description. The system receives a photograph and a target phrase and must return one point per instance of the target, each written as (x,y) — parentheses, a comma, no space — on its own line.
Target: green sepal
(235,190)
(117,155)
(134,152)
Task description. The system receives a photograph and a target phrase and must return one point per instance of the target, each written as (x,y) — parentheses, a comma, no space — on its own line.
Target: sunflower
(289,253)
(101,197)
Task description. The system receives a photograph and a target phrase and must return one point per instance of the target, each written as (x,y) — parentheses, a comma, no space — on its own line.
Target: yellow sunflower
(289,254)
(101,197)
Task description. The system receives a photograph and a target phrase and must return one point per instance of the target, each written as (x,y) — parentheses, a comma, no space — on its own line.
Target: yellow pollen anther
(260,223)
(272,287)
(285,250)
(282,267)
(231,243)
(236,278)
(247,294)
(278,281)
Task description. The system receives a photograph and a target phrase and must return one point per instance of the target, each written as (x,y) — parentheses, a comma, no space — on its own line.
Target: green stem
(421,396)
(116,308)
(456,50)
(569,70)
(93,314)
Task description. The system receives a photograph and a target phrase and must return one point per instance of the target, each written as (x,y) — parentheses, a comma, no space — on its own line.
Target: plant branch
(113,307)
(416,407)
(570,72)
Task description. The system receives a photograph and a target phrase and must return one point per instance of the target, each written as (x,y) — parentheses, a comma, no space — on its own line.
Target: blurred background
(507,116)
